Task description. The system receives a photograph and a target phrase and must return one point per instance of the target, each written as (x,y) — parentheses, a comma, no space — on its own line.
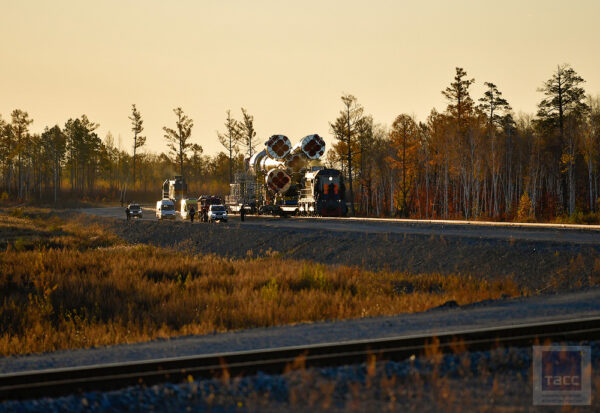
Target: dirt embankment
(547,266)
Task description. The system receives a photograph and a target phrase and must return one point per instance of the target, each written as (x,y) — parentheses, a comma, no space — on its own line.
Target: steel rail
(64,381)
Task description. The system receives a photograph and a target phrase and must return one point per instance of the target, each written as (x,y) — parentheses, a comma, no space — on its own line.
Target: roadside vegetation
(66,283)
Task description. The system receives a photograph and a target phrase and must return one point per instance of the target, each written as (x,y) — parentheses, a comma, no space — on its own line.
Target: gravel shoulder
(537,257)
(562,233)
(498,313)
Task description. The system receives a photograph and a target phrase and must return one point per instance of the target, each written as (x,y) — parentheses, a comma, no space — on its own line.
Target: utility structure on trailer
(175,189)
(244,191)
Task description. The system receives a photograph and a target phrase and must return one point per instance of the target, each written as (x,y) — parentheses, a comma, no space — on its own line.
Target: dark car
(135,210)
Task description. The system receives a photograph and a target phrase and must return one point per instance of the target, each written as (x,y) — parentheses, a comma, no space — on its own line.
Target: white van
(186,204)
(165,209)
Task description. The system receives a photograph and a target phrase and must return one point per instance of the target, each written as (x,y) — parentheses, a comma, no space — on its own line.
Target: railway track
(64,381)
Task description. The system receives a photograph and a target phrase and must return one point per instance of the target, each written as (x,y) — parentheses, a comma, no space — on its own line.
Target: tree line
(72,161)
(476,159)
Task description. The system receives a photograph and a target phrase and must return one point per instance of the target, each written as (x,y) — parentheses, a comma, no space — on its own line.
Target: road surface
(556,233)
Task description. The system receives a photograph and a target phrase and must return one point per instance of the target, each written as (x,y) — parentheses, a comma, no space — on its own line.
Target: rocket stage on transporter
(294,183)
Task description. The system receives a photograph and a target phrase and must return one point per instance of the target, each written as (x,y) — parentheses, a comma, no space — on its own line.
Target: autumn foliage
(476,158)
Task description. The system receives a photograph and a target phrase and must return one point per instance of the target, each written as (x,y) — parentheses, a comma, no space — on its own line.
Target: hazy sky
(287,62)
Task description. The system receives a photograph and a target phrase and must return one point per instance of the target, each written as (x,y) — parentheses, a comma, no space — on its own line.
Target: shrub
(80,286)
(525,209)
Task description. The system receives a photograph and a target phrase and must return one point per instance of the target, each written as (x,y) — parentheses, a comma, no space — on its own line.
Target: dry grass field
(67,284)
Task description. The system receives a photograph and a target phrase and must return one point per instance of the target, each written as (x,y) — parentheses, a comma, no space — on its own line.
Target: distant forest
(475,160)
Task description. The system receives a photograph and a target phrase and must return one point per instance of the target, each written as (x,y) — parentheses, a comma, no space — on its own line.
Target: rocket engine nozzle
(279,161)
(278,181)
(278,146)
(296,161)
(313,146)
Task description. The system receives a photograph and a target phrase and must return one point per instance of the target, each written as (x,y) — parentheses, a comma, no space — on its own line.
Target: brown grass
(65,284)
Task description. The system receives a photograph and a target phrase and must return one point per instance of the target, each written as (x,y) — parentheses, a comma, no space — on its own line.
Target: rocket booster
(279,159)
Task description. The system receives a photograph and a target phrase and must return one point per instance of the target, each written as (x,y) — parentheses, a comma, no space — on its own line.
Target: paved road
(573,234)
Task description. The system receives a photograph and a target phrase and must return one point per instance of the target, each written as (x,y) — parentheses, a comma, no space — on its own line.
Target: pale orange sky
(286,62)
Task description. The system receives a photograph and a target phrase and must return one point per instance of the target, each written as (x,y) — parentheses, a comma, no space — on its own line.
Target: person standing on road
(192,212)
(205,214)
(243,212)
(128,213)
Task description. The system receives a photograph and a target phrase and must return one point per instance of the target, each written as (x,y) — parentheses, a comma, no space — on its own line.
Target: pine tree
(564,99)
(404,138)
(247,132)
(495,107)
(177,139)
(460,104)
(230,139)
(137,128)
(55,143)
(346,129)
(19,129)
(460,113)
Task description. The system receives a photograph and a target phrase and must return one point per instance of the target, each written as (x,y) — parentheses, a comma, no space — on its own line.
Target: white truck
(165,209)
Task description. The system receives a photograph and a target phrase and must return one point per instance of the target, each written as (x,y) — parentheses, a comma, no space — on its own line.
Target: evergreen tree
(137,128)
(83,146)
(55,143)
(460,104)
(19,131)
(247,132)
(5,153)
(565,98)
(346,129)
(495,107)
(404,138)
(463,127)
(230,139)
(178,138)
